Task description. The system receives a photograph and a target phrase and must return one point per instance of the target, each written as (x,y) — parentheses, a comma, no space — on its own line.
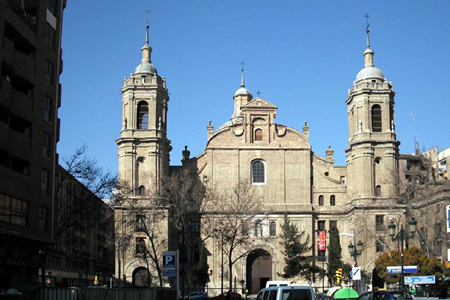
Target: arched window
(141,190)
(378,191)
(258,135)
(376,118)
(332,200)
(142,115)
(140,246)
(258,172)
(321,200)
(273,228)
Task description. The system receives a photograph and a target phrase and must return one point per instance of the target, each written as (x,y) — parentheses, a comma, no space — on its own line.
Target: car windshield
(401,295)
(295,294)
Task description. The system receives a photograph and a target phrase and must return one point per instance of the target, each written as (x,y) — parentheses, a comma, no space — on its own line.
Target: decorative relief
(280,130)
(238,130)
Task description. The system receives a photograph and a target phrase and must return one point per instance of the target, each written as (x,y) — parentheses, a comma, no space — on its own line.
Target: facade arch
(141,278)
(259,269)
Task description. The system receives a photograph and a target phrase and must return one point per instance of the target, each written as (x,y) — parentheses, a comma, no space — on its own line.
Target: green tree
(413,256)
(295,251)
(334,255)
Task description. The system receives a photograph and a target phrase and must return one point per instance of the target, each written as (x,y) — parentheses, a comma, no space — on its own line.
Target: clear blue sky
(302,55)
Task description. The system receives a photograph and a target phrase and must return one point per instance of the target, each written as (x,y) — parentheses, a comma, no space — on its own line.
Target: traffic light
(339,275)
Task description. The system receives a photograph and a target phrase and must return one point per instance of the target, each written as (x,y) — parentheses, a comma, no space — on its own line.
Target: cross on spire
(367,18)
(242,76)
(148,13)
(258,93)
(367,30)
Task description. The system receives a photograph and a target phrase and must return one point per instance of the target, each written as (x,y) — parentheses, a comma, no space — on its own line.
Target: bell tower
(143,144)
(372,154)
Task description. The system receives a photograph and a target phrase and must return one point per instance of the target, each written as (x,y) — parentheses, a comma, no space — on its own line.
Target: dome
(242,91)
(146,68)
(370,72)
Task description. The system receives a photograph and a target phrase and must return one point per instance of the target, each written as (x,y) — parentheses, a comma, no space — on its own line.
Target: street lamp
(402,236)
(355,252)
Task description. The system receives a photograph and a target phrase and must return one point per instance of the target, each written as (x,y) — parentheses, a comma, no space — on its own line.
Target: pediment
(259,102)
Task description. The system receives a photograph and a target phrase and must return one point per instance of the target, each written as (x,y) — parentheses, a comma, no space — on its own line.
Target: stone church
(277,160)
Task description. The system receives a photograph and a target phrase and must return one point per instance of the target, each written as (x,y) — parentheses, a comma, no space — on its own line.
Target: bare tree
(425,195)
(86,170)
(79,187)
(235,210)
(142,215)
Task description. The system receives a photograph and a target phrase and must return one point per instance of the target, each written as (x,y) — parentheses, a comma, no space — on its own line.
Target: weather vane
(242,65)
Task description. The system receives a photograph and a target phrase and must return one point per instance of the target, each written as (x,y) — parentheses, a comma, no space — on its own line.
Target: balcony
(27,13)
(24,64)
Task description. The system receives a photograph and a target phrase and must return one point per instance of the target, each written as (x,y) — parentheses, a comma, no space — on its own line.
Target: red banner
(322,240)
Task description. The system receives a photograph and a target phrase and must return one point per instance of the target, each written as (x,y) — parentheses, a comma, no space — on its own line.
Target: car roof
(292,287)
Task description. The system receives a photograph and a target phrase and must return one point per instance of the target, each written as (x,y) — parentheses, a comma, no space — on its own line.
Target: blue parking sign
(169,260)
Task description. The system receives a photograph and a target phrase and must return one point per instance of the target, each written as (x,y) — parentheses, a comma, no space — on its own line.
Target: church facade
(278,163)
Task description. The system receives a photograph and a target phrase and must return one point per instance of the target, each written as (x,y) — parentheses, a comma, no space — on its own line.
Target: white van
(286,293)
(271,283)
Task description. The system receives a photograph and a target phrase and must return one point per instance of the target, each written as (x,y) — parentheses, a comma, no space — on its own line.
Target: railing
(370,85)
(17,8)
(128,294)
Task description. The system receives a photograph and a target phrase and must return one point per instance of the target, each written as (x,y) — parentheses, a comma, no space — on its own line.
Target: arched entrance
(141,278)
(258,270)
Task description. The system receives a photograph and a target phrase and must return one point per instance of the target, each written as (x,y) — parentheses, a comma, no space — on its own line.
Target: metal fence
(95,294)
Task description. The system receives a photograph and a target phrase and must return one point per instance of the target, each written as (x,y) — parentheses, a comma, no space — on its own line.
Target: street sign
(169,261)
(398,269)
(420,280)
(169,273)
(356,273)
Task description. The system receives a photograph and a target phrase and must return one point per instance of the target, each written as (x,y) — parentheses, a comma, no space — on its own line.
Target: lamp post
(355,250)
(402,236)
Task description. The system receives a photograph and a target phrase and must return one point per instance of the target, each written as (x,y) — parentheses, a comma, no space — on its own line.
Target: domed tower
(241,97)
(372,155)
(143,144)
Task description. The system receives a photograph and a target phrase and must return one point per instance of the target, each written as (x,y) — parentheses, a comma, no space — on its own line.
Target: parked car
(287,293)
(196,296)
(224,296)
(385,295)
